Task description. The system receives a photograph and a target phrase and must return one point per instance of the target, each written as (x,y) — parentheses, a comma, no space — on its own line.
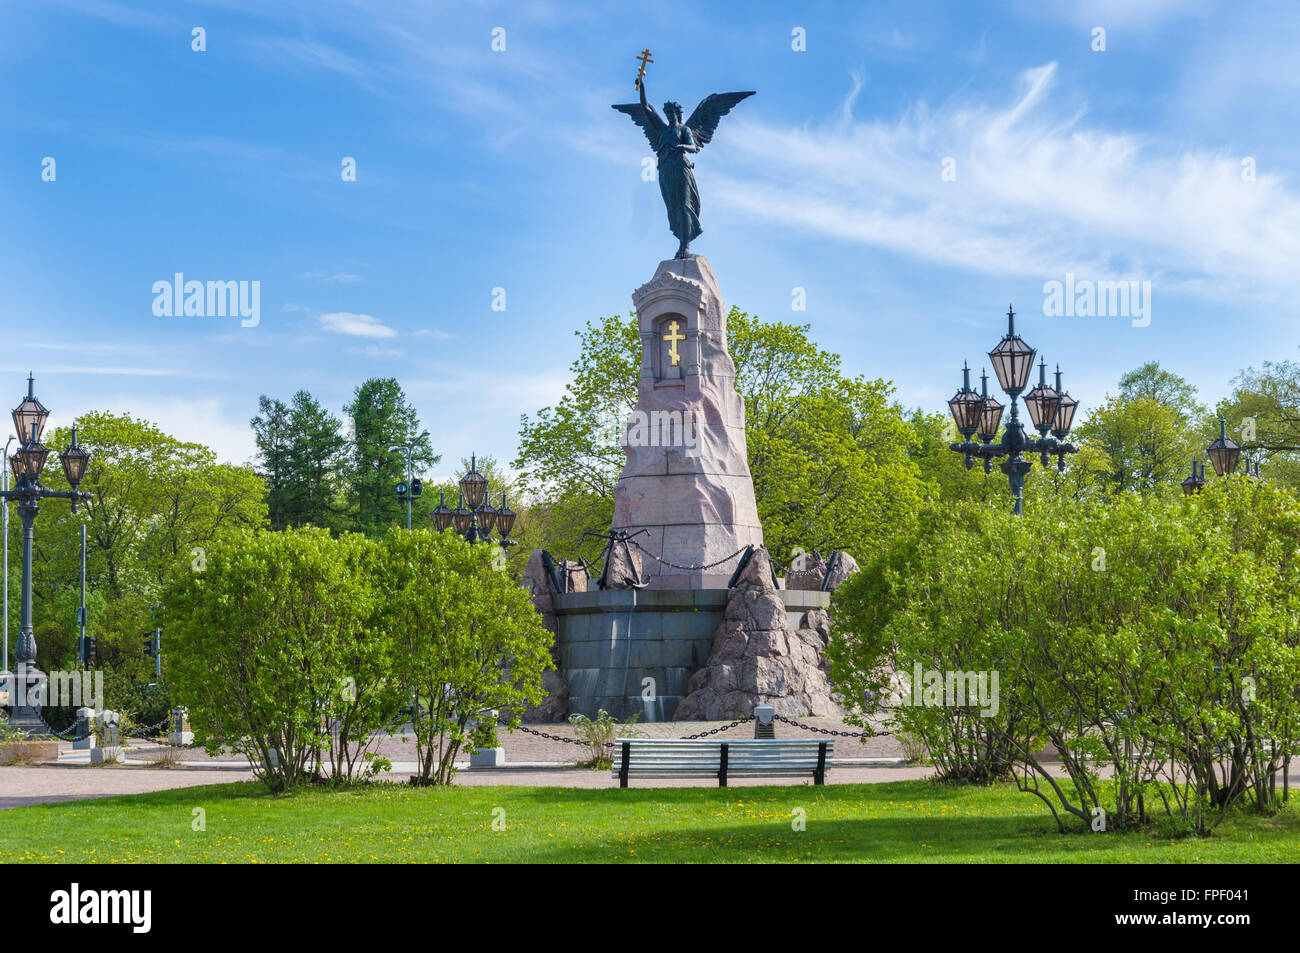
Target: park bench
(721,758)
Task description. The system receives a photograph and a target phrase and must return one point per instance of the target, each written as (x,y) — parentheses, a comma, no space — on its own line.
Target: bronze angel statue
(671,140)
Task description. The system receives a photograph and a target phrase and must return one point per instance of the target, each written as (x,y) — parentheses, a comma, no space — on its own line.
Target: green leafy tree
(943,470)
(382,417)
(271,437)
(158,505)
(1152,635)
(467,643)
(829,454)
(569,455)
(274,654)
(1149,432)
(317,450)
(1263,414)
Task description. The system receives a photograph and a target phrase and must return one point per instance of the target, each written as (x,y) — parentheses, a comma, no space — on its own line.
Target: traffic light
(151,643)
(92,650)
(416,488)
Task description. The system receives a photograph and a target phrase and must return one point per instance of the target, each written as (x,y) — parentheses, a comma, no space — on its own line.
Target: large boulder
(622,566)
(757,659)
(842,566)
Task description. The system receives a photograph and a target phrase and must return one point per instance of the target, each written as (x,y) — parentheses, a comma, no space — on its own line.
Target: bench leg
(722,767)
(623,769)
(819,776)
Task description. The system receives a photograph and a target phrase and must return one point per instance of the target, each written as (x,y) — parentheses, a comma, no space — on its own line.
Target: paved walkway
(530,761)
(46,784)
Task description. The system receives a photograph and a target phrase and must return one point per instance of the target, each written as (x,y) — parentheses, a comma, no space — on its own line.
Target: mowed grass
(901,822)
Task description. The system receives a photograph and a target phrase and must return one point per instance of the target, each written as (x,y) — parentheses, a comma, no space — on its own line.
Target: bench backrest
(704,755)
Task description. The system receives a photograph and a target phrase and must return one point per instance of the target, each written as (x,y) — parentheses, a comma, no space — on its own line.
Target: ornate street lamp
(28,462)
(990,414)
(1195,482)
(474,516)
(505,518)
(441,514)
(1224,452)
(966,406)
(1051,410)
(1065,408)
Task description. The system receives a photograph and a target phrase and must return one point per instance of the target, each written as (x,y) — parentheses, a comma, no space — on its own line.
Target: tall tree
(1149,432)
(271,436)
(382,417)
(1263,414)
(158,506)
(316,455)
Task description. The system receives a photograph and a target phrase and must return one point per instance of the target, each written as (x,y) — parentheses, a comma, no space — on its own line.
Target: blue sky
(479,169)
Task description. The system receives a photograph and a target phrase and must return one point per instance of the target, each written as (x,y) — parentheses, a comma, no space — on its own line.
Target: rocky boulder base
(757,659)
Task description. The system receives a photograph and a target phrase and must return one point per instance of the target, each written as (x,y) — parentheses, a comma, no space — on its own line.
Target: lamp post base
(26,687)
(28,720)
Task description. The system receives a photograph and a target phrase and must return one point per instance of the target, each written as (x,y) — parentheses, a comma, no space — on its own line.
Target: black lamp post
(28,462)
(1224,455)
(1224,452)
(1051,411)
(1195,482)
(474,516)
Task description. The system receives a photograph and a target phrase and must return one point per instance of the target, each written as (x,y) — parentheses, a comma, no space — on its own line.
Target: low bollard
(111,750)
(764,721)
(83,735)
(486,757)
(180,734)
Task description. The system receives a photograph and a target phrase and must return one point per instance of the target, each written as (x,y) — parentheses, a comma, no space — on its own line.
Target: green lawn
(901,822)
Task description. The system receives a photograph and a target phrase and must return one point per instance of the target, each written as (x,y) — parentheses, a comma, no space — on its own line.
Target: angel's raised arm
(645,116)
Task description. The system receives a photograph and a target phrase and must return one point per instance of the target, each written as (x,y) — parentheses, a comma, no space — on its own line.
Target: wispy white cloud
(1038,192)
(355,325)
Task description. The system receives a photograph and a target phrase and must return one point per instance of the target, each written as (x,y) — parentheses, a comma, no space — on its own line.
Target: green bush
(467,643)
(1155,635)
(295,648)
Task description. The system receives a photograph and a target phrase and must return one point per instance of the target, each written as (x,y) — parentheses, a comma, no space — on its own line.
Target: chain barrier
(609,744)
(66,731)
(833,732)
(660,559)
(144,733)
(827,731)
(550,737)
(714,731)
(140,734)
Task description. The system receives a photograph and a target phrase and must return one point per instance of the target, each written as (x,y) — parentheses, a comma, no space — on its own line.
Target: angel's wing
(647,118)
(704,121)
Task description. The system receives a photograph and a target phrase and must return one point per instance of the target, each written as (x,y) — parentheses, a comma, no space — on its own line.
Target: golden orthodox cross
(672,337)
(644,58)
